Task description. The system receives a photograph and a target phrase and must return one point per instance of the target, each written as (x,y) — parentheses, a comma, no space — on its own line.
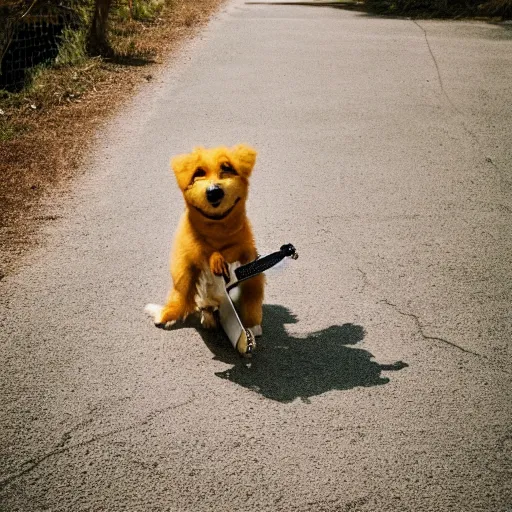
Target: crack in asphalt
(61,448)
(450,101)
(366,281)
(426,336)
(421,330)
(439,77)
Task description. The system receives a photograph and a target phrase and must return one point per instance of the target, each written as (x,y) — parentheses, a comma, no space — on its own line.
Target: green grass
(142,10)
(72,49)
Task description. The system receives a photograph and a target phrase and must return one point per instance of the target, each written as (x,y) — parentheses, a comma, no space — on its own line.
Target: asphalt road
(383,380)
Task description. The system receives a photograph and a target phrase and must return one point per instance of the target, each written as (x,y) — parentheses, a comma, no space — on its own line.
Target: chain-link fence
(30,34)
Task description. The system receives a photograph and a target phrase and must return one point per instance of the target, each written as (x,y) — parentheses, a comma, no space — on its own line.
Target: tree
(98,41)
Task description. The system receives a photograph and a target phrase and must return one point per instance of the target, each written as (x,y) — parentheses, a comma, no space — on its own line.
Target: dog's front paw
(218,265)
(155,311)
(208,320)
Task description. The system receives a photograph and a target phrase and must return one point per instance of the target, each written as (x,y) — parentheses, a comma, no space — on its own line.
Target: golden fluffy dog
(214,231)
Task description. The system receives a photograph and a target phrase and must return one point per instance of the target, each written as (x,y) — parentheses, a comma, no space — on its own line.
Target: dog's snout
(214,194)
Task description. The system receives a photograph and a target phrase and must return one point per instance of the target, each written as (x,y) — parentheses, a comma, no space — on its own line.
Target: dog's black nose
(214,194)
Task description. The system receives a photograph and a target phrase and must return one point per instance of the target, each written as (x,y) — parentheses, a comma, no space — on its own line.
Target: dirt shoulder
(48,129)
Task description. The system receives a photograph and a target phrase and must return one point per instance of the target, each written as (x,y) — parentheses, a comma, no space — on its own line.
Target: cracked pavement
(382,381)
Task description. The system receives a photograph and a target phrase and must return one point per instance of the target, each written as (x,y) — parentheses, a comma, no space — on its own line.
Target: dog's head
(215,182)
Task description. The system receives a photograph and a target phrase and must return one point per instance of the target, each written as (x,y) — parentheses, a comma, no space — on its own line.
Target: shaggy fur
(213,232)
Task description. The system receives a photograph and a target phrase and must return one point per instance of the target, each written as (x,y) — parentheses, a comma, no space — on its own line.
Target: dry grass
(46,130)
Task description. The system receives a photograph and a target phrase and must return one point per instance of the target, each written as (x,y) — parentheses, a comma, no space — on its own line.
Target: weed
(141,10)
(72,49)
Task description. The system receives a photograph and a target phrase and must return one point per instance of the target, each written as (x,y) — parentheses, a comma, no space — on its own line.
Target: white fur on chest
(209,290)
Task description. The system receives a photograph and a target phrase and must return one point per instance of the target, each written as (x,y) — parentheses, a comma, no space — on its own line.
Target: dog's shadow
(284,368)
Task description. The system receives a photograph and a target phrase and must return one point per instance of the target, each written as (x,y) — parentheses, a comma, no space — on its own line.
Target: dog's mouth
(219,216)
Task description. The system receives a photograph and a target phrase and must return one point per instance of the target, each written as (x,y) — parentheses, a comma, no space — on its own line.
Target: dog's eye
(227,168)
(200,173)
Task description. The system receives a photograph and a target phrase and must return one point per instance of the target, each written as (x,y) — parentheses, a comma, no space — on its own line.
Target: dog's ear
(182,166)
(244,158)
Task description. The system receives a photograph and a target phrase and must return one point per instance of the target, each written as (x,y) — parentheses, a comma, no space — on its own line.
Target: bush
(501,8)
(443,8)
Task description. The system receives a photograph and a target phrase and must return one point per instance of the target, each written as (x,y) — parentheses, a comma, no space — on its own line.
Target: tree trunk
(98,40)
